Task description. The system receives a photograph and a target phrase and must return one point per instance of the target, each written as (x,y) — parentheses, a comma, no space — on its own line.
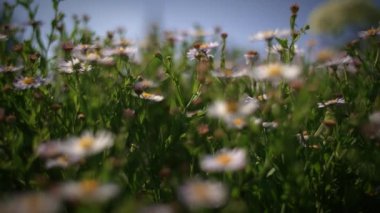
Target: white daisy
(10,68)
(31,202)
(74,65)
(87,191)
(3,37)
(120,51)
(87,144)
(276,72)
(203,194)
(233,113)
(229,73)
(336,101)
(151,97)
(224,160)
(269,35)
(27,82)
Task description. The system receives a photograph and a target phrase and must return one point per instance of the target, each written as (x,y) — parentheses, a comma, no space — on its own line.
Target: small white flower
(375,117)
(269,35)
(87,191)
(275,72)
(27,82)
(151,97)
(202,50)
(31,202)
(369,33)
(203,194)
(224,160)
(120,51)
(74,65)
(336,101)
(270,125)
(229,73)
(3,37)
(233,113)
(10,68)
(87,144)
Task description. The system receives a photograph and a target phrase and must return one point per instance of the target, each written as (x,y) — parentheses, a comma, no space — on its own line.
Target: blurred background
(332,21)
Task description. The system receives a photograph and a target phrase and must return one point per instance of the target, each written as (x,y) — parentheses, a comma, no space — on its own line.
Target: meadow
(182,122)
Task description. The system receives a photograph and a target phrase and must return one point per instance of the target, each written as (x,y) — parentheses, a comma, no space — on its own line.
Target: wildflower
(372,128)
(203,194)
(74,65)
(251,57)
(10,68)
(269,35)
(372,32)
(229,73)
(31,202)
(269,125)
(27,82)
(278,49)
(336,101)
(275,72)
(202,50)
(151,97)
(143,84)
(344,62)
(107,61)
(87,144)
(120,51)
(224,160)
(61,161)
(232,112)
(86,191)
(3,37)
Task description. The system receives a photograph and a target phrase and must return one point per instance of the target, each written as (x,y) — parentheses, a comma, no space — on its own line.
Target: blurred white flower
(335,101)
(11,68)
(197,194)
(86,191)
(372,32)
(120,51)
(87,144)
(3,37)
(229,73)
(269,35)
(269,125)
(201,50)
(74,65)
(232,112)
(27,82)
(224,160)
(275,72)
(31,202)
(151,97)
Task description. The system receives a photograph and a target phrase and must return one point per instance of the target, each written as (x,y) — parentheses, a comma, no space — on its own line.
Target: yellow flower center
(201,191)
(232,107)
(89,186)
(227,72)
(147,95)
(28,80)
(223,159)
(238,122)
(274,70)
(86,142)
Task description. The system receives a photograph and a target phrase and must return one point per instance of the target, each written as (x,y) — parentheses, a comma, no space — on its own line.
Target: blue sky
(239,18)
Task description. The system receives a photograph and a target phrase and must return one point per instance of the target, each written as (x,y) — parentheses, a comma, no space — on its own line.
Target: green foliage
(313,158)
